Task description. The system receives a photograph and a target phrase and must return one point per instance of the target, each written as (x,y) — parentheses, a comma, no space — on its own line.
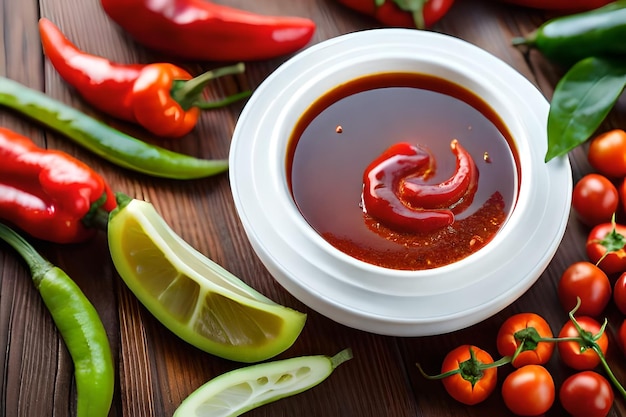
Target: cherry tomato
(471,385)
(611,238)
(607,153)
(586,281)
(595,199)
(619,293)
(529,391)
(579,356)
(586,394)
(524,329)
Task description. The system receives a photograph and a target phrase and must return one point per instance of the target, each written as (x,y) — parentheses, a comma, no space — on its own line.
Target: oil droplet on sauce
(325,172)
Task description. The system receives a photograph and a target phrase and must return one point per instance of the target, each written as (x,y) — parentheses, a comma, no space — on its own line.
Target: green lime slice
(241,390)
(191,295)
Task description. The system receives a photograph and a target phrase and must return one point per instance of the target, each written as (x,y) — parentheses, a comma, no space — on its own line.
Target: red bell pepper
(403,13)
(561,5)
(48,194)
(162,97)
(200,30)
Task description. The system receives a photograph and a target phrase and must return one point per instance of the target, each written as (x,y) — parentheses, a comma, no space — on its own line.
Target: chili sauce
(347,128)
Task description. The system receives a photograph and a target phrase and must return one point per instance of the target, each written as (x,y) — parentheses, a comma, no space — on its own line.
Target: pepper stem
(416,8)
(97,217)
(37,264)
(186,93)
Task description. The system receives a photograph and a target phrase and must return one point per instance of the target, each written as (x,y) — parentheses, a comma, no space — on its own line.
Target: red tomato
(595,199)
(586,281)
(611,238)
(619,293)
(586,394)
(573,353)
(529,391)
(607,153)
(524,329)
(469,386)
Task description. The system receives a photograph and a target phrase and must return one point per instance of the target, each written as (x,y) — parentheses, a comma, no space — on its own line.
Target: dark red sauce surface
(348,127)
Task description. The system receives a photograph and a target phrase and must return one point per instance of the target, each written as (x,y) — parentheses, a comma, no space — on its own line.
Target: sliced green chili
(111,144)
(80,326)
(582,99)
(568,39)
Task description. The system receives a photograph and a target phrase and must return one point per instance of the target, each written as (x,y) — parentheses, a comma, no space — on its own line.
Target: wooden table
(156,370)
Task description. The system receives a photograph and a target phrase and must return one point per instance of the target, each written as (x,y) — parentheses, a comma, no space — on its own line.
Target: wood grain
(156,370)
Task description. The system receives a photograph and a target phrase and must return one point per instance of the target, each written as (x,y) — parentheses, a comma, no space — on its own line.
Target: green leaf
(582,100)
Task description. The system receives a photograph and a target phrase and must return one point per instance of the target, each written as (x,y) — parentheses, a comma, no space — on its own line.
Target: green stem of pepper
(416,8)
(186,93)
(110,144)
(80,326)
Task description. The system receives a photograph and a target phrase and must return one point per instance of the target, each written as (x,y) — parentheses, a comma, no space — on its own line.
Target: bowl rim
(351,291)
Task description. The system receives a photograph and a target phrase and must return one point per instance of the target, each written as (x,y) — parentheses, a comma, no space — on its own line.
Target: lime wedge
(191,295)
(241,390)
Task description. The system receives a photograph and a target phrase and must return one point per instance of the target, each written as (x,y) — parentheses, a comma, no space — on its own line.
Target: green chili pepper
(568,39)
(582,99)
(111,144)
(79,325)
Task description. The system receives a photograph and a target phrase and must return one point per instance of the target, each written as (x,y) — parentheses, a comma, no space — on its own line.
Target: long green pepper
(103,140)
(80,326)
(568,39)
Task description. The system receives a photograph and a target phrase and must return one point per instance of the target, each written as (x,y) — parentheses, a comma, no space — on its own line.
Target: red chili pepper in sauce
(381,182)
(200,30)
(457,191)
(162,97)
(393,195)
(419,14)
(48,193)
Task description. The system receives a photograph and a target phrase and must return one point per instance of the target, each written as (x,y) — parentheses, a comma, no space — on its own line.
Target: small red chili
(394,191)
(48,193)
(161,97)
(200,30)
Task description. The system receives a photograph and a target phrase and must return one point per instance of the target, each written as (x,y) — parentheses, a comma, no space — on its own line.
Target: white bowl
(368,297)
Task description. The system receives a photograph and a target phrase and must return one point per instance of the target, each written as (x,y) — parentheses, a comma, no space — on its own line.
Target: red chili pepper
(48,193)
(381,181)
(455,193)
(162,97)
(404,13)
(394,191)
(560,5)
(200,30)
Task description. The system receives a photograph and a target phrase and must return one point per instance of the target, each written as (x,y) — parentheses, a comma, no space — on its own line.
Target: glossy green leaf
(582,100)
